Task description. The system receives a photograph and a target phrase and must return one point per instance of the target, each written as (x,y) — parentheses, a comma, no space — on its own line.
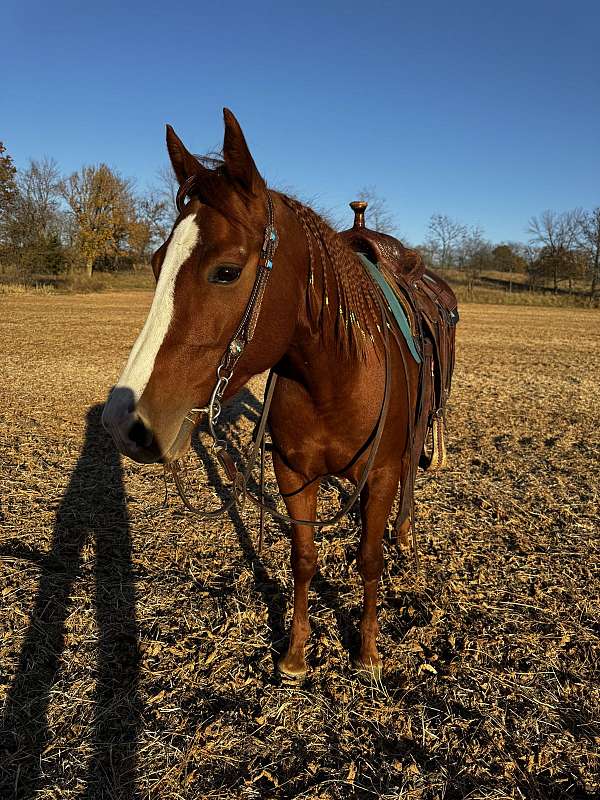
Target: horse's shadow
(93,510)
(245,405)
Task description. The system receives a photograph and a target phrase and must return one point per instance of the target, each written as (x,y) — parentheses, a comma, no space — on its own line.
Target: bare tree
(167,188)
(40,183)
(473,254)
(380,218)
(39,197)
(150,224)
(32,229)
(556,234)
(555,230)
(444,237)
(589,238)
(153,210)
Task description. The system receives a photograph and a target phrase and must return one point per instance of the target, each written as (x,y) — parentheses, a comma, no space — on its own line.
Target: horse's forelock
(213,187)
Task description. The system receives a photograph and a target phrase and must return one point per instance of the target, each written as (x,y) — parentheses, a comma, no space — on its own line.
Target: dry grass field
(137,644)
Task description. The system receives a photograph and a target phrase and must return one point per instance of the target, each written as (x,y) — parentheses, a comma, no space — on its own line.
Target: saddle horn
(359,207)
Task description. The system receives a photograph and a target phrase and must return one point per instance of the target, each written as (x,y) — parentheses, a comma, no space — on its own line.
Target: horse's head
(204,274)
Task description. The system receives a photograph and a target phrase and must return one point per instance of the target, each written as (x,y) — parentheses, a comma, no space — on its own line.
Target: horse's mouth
(142,454)
(183,440)
(148,449)
(175,453)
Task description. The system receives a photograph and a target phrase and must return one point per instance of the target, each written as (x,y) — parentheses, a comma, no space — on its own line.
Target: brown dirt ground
(137,644)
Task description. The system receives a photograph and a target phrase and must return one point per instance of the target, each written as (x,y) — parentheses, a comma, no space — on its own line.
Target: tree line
(563,248)
(95,219)
(92,219)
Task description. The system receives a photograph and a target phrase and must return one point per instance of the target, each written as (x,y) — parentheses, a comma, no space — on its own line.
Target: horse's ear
(183,162)
(238,160)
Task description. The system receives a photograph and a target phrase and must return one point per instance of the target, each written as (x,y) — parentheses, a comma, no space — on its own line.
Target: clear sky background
(486,111)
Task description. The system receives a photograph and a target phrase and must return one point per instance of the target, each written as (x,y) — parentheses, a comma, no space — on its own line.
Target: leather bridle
(241,338)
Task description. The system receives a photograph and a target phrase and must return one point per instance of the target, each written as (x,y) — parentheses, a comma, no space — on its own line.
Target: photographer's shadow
(93,509)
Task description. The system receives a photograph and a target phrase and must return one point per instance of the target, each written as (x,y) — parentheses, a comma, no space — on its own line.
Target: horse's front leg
(376,501)
(302,505)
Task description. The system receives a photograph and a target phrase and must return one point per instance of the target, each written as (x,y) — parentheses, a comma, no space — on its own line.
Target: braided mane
(341,297)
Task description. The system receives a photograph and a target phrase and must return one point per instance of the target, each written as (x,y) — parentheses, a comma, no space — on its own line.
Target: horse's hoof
(372,670)
(291,672)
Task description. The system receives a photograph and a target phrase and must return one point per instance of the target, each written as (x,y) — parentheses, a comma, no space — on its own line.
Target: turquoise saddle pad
(393,304)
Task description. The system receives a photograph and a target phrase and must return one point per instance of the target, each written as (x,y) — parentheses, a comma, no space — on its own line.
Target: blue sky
(488,112)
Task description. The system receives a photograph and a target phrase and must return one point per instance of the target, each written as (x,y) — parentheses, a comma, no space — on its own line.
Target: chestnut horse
(319,328)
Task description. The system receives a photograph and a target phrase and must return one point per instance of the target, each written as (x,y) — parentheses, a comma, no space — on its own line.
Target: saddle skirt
(431,309)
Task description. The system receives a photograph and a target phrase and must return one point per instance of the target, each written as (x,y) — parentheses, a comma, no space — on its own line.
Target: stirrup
(438,457)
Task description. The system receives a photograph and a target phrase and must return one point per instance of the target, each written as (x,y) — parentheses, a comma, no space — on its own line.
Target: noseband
(241,338)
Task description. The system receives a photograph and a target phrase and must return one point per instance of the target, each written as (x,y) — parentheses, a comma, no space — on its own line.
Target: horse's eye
(225,274)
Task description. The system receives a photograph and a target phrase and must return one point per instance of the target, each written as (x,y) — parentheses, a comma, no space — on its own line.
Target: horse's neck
(313,359)
(321,370)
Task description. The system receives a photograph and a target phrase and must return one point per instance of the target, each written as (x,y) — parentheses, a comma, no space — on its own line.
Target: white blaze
(140,364)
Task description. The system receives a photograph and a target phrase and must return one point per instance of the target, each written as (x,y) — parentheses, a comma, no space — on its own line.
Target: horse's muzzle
(130,432)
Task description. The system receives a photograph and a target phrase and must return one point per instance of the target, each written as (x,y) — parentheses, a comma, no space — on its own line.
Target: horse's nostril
(140,434)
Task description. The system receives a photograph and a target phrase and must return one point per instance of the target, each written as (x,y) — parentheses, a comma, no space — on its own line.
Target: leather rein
(240,477)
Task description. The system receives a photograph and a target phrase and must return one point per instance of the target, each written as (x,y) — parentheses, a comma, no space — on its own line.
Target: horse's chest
(318,437)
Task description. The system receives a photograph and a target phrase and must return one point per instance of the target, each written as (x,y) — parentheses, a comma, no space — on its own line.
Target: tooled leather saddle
(432,309)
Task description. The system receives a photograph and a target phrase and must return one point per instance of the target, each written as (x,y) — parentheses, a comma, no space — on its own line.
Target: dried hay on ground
(137,645)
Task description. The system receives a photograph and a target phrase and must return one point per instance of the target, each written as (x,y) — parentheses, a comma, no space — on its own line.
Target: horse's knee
(370,563)
(304,562)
